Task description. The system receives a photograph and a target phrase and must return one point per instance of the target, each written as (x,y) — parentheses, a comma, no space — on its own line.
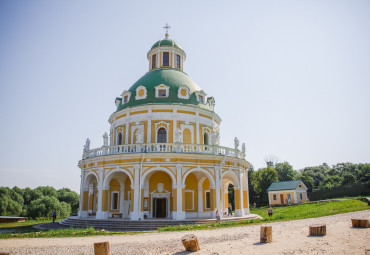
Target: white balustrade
(164,147)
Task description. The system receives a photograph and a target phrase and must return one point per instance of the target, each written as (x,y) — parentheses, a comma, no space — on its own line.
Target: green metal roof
(285,185)
(166,42)
(169,77)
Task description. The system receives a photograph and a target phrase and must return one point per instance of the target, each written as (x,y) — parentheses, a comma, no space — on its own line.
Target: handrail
(163,147)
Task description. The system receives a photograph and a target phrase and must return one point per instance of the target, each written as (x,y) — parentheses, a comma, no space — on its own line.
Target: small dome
(166,42)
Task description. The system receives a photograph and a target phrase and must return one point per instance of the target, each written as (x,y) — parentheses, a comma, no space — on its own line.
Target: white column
(218,189)
(100,214)
(158,59)
(91,192)
(197,125)
(121,199)
(174,117)
(149,129)
(81,194)
(135,213)
(127,126)
(180,214)
(246,210)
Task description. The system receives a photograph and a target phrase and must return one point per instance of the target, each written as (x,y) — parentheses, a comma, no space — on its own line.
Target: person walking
(270,212)
(218,219)
(54,216)
(230,209)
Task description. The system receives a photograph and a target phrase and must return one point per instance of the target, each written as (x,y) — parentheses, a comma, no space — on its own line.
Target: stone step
(139,225)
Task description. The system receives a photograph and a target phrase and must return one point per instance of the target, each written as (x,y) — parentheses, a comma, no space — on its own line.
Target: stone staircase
(140,225)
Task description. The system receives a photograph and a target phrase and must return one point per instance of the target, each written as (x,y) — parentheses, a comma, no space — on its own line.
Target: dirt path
(290,237)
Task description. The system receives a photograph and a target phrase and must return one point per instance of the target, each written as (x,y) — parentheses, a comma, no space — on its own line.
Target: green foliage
(261,180)
(348,190)
(39,202)
(70,197)
(285,171)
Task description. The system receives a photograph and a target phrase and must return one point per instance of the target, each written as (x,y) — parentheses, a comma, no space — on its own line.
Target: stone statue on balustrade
(243,148)
(86,148)
(105,139)
(178,136)
(139,135)
(215,137)
(236,143)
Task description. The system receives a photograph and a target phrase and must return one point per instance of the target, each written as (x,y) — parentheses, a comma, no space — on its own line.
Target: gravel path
(289,237)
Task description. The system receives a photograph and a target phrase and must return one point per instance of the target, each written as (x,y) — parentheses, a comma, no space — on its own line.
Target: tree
(45,206)
(251,187)
(70,197)
(306,179)
(263,179)
(331,182)
(10,202)
(47,191)
(285,171)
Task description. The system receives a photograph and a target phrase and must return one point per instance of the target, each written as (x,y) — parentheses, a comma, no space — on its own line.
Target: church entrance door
(160,207)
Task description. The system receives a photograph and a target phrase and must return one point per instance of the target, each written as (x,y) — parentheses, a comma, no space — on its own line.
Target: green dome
(169,77)
(166,42)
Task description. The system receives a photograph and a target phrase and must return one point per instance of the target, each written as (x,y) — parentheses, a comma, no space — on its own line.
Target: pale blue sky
(290,78)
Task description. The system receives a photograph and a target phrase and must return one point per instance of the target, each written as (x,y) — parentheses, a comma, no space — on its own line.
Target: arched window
(119,138)
(162,135)
(205,138)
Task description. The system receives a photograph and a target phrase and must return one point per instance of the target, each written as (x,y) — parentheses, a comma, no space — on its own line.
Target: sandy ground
(290,237)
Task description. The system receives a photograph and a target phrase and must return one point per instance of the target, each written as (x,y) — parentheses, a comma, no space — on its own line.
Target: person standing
(230,209)
(54,216)
(270,212)
(218,219)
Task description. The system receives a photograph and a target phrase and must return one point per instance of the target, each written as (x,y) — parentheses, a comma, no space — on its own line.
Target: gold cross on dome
(167,27)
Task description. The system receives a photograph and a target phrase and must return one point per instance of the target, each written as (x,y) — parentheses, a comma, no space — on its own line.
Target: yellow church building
(162,157)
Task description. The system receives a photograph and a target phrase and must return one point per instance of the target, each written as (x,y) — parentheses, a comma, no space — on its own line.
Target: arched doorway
(117,202)
(90,196)
(157,195)
(230,196)
(199,194)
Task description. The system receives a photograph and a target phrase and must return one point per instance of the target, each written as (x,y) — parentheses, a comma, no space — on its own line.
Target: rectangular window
(200,99)
(125,99)
(154,61)
(115,201)
(289,197)
(274,197)
(166,59)
(178,61)
(161,92)
(208,200)
(301,196)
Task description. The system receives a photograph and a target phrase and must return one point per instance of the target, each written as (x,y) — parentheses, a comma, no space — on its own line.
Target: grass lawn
(284,213)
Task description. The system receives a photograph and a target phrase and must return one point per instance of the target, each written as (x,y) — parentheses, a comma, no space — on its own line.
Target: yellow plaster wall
(114,186)
(187,136)
(206,187)
(277,201)
(91,201)
(85,199)
(132,200)
(127,188)
(226,199)
(191,184)
(237,198)
(245,199)
(105,200)
(160,177)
